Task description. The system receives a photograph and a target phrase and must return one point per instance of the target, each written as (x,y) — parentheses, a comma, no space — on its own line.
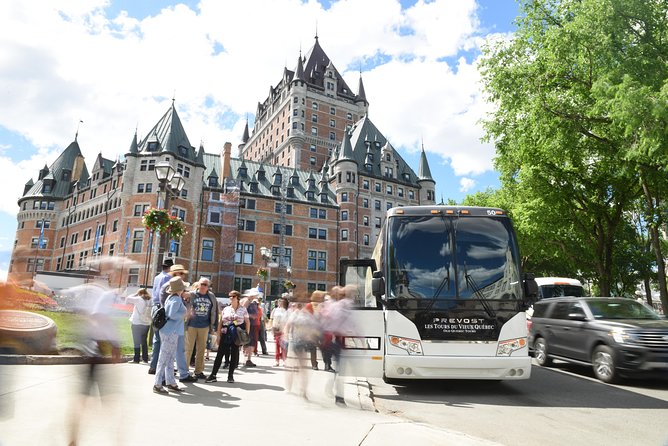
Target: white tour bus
(442,298)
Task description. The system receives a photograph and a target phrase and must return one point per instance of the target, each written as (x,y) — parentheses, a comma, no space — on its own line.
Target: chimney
(227,154)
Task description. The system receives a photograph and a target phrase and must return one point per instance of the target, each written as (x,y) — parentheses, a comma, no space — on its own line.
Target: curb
(54,359)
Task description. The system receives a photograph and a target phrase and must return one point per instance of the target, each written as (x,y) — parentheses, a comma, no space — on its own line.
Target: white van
(556,287)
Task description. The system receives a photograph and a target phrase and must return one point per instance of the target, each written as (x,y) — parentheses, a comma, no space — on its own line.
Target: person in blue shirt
(175,310)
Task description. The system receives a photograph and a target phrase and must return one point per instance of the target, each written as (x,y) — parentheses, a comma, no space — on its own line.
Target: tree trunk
(653,226)
(660,266)
(648,291)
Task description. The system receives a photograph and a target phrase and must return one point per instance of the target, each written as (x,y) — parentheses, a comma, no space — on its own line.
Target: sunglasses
(204,284)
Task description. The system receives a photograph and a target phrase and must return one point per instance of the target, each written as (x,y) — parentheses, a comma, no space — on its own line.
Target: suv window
(563,309)
(540,310)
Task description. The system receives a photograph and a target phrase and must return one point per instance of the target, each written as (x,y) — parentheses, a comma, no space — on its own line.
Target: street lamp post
(288,269)
(266,256)
(170,182)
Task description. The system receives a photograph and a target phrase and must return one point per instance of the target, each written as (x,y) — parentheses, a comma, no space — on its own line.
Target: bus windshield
(441,263)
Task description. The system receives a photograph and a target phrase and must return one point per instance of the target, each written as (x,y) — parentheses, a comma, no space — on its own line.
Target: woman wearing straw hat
(175,310)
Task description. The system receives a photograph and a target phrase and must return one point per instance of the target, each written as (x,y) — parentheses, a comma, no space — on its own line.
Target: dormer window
(275,190)
(295,180)
(183,151)
(66,175)
(310,195)
(243,171)
(213,181)
(291,192)
(152,146)
(260,175)
(278,178)
(253,187)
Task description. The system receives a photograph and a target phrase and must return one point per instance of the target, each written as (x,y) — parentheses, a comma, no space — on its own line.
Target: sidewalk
(256,408)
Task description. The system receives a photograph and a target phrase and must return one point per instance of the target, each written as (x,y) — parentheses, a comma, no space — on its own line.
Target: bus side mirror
(530,289)
(378,284)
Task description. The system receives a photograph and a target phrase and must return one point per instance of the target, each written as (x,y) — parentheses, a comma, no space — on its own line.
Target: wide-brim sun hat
(178,269)
(176,285)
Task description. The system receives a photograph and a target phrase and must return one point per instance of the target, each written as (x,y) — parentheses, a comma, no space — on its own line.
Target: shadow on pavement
(546,388)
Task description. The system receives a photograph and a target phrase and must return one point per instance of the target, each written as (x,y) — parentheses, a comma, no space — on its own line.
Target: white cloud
(466,184)
(63,60)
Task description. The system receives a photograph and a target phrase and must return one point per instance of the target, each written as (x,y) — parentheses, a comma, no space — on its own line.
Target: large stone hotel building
(311,182)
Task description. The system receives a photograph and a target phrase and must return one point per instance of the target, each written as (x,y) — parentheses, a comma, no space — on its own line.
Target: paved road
(39,402)
(564,405)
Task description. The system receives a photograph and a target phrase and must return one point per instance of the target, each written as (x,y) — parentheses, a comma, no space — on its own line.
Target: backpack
(159,318)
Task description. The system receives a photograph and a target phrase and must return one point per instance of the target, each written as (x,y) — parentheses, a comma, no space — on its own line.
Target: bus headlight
(412,346)
(506,347)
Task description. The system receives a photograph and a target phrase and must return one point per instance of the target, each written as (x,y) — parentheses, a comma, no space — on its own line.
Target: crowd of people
(195,325)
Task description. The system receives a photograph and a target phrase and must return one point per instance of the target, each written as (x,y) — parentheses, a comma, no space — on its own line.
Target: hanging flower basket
(159,220)
(176,228)
(289,285)
(156,220)
(262,273)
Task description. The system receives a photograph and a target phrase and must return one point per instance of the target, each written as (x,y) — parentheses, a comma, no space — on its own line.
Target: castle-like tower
(304,117)
(312,184)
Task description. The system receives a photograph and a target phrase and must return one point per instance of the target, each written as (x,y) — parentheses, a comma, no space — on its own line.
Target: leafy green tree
(569,139)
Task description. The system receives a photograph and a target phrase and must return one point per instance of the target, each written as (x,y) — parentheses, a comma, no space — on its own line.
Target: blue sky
(115,65)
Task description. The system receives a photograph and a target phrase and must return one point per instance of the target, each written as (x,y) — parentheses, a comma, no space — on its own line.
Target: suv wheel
(540,352)
(603,362)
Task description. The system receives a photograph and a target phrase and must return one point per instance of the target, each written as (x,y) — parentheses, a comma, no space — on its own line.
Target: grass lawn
(70,324)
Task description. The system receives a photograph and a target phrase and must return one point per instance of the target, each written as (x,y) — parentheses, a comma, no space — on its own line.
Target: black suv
(616,336)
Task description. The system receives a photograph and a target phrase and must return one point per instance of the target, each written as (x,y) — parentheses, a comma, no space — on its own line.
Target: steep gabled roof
(71,160)
(170,136)
(315,67)
(364,133)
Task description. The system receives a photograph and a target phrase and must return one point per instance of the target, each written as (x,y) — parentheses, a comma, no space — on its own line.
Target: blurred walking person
(304,335)
(279,317)
(100,340)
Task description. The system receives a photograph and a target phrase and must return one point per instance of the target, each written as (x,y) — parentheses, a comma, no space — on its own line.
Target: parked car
(616,336)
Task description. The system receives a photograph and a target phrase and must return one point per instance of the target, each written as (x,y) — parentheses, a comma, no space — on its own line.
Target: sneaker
(250,364)
(330,369)
(200,376)
(159,389)
(339,401)
(132,361)
(189,379)
(230,380)
(277,364)
(315,367)
(175,388)
(211,379)
(151,371)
